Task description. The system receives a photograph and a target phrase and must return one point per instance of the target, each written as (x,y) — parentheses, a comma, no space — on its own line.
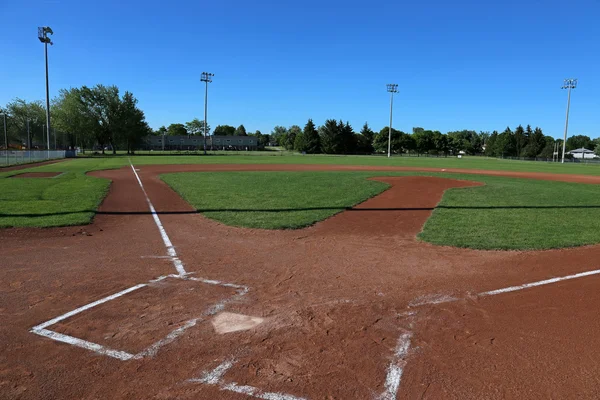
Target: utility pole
(5,136)
(28,136)
(568,84)
(206,77)
(43,37)
(392,88)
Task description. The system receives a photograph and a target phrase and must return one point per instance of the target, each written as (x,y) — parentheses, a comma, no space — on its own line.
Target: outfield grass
(272,200)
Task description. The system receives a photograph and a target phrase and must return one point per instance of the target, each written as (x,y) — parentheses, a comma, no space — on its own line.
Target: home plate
(226,322)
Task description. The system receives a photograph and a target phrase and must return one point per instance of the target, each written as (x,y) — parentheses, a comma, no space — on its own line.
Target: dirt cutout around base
(37,175)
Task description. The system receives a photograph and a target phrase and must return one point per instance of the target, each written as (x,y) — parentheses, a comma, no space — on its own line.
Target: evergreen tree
(366,143)
(520,141)
(311,138)
(348,143)
(330,137)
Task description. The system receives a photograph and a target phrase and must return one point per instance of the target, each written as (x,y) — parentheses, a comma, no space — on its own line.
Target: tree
(505,144)
(536,143)
(330,137)
(277,134)
(491,145)
(162,131)
(224,130)
(520,141)
(300,143)
(579,141)
(424,140)
(312,141)
(67,115)
(132,126)
(290,137)
(196,127)
(347,138)
(19,112)
(365,142)
(240,131)
(177,130)
(400,143)
(440,142)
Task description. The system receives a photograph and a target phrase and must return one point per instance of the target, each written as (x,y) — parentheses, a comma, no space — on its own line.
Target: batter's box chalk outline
(391,385)
(42,330)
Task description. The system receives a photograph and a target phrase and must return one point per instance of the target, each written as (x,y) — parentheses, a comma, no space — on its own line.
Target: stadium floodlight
(207,78)
(43,33)
(568,84)
(5,136)
(392,88)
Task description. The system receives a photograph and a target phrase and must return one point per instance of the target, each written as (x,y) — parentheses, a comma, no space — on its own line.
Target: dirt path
(29,165)
(335,298)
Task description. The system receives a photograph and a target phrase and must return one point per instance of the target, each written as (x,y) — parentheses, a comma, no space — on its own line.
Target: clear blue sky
(478,65)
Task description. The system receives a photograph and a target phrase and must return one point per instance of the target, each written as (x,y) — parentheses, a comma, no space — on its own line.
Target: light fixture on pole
(392,88)
(43,33)
(568,84)
(207,78)
(5,136)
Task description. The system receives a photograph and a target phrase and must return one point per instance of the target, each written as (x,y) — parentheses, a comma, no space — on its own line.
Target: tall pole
(207,78)
(392,88)
(43,37)
(47,100)
(205,112)
(5,138)
(28,136)
(568,84)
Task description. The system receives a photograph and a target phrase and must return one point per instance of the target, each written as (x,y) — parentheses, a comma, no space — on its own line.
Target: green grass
(272,200)
(516,214)
(505,214)
(68,199)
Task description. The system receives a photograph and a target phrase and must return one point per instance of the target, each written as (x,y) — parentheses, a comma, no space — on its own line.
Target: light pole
(5,136)
(392,88)
(43,36)
(206,77)
(568,84)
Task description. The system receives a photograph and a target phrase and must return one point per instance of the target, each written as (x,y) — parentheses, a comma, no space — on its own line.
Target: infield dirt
(334,297)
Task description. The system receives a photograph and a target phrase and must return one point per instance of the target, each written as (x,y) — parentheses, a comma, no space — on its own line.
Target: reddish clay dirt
(28,165)
(335,298)
(37,175)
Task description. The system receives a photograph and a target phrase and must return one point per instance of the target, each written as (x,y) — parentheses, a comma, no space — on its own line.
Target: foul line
(215,378)
(170,248)
(539,283)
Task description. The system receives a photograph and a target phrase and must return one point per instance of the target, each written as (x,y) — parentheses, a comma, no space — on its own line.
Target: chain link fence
(15,157)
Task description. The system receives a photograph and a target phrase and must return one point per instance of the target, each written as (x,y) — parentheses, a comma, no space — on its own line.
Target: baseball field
(299,277)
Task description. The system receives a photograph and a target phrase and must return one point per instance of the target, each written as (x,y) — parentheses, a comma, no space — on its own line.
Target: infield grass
(506,213)
(272,200)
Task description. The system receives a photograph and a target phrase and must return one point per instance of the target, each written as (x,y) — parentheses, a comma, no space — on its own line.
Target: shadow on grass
(199,211)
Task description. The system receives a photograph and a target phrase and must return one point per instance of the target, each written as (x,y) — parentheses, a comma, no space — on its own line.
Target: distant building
(196,142)
(582,153)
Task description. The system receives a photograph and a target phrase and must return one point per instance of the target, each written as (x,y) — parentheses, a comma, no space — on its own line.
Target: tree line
(338,137)
(80,117)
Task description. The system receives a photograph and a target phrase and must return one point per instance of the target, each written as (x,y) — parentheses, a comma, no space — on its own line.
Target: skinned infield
(353,307)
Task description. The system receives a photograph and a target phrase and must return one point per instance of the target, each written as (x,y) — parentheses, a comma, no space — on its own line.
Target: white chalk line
(396,368)
(168,244)
(539,283)
(155,347)
(440,298)
(215,378)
